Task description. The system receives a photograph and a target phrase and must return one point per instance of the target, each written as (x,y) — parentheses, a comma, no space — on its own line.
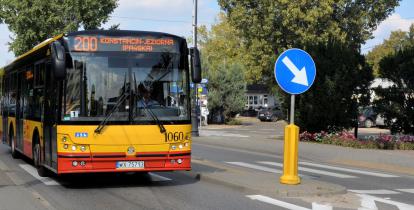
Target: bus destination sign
(96,43)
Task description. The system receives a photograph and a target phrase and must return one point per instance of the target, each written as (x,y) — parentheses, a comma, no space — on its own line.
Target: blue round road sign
(295,71)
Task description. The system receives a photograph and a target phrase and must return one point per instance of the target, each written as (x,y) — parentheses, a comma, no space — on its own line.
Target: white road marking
(286,205)
(158,178)
(369,200)
(315,171)
(406,190)
(275,202)
(32,171)
(221,133)
(375,192)
(252,166)
(318,206)
(349,170)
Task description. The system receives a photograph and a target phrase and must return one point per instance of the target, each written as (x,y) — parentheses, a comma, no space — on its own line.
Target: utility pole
(194,114)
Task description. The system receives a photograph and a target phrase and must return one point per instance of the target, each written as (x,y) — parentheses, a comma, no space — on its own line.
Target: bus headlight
(64,139)
(83,148)
(73,148)
(173,147)
(186,144)
(180,146)
(65,146)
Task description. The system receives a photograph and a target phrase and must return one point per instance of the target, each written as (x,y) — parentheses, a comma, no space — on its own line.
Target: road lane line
(349,170)
(275,202)
(257,167)
(158,178)
(406,190)
(375,192)
(315,171)
(32,171)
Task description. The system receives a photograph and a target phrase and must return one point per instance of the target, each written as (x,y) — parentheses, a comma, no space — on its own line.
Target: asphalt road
(250,147)
(247,148)
(19,189)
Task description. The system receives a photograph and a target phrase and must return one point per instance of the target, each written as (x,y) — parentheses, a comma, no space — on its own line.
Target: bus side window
(27,92)
(39,84)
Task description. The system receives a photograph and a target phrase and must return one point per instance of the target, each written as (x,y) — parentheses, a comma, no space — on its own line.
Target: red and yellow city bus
(101,101)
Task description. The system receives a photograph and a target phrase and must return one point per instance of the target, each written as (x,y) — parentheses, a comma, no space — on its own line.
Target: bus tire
(41,170)
(14,153)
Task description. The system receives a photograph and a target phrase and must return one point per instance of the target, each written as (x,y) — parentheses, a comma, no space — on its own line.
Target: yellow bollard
(290,156)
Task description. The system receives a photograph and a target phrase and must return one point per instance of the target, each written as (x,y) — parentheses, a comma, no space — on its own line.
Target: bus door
(49,119)
(19,111)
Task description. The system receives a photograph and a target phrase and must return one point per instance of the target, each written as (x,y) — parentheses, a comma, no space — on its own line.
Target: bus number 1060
(176,136)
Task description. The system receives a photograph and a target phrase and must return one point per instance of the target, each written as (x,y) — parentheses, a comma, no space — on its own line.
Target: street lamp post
(194,114)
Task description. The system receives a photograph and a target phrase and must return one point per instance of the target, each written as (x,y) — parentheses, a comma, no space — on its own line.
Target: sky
(176,18)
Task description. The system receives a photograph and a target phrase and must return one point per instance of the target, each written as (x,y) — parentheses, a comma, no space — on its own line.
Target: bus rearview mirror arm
(195,65)
(58,60)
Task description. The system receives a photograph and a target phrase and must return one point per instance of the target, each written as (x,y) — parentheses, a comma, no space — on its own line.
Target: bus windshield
(153,82)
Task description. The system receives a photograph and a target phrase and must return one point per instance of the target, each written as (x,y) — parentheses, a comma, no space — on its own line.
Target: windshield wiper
(153,116)
(120,100)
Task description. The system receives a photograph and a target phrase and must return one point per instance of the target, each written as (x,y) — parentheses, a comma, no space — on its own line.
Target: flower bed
(347,139)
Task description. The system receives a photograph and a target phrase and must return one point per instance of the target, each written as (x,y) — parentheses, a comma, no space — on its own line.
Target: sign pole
(292,109)
(290,153)
(295,72)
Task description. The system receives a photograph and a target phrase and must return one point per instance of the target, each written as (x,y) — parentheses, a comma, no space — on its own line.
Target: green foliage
(397,40)
(268,27)
(341,85)
(221,58)
(33,21)
(234,121)
(397,102)
(226,91)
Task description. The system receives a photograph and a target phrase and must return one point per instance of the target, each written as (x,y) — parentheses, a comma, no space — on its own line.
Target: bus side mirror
(58,60)
(195,65)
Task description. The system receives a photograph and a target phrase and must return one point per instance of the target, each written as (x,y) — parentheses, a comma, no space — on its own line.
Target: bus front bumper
(119,162)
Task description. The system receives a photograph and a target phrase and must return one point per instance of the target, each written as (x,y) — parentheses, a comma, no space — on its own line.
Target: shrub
(346,139)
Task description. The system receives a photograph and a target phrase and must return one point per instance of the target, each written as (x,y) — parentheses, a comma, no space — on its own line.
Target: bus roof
(34,49)
(123,33)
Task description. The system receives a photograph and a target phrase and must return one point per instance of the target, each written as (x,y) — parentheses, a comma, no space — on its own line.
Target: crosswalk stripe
(349,170)
(375,192)
(32,171)
(252,166)
(406,190)
(326,173)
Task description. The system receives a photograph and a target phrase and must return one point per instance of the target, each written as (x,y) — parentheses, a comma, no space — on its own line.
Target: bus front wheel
(14,152)
(41,170)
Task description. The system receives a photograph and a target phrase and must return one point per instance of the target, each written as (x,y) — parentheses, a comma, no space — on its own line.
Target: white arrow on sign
(300,75)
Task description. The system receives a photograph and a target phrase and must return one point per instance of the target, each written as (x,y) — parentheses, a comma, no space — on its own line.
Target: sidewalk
(15,193)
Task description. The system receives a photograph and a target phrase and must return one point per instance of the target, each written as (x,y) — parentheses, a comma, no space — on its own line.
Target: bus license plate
(129,164)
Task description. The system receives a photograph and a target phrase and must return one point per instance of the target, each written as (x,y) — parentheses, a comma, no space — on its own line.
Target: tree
(396,103)
(341,85)
(221,52)
(395,42)
(332,31)
(226,89)
(33,21)
(268,27)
